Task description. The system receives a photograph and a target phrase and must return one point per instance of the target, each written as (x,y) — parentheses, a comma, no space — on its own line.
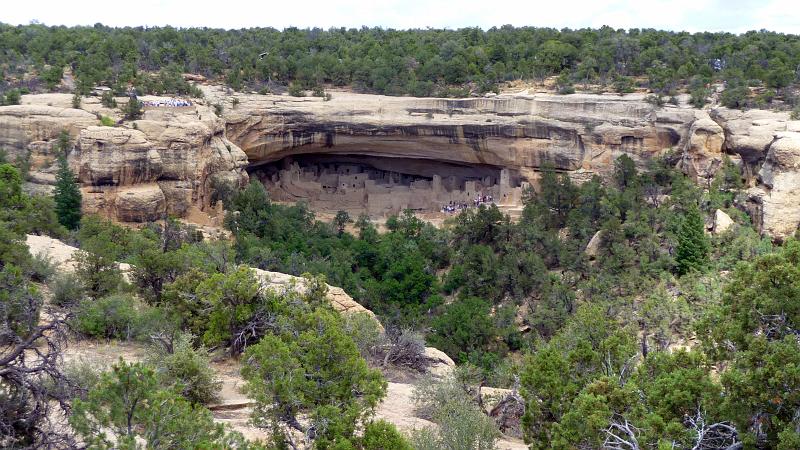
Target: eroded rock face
(702,152)
(140,203)
(116,156)
(515,132)
(779,193)
(165,163)
(186,152)
(750,133)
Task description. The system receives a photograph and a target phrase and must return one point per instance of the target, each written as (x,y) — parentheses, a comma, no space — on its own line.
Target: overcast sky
(690,15)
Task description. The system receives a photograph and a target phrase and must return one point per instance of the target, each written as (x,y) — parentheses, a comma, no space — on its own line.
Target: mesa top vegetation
(397,62)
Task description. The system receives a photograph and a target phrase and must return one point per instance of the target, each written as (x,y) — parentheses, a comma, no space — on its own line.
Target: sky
(735,16)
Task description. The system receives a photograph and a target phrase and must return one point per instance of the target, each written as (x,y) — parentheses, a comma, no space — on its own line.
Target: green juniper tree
(133,109)
(128,407)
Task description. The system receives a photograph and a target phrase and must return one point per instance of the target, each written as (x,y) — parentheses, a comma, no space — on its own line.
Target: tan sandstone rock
(779,194)
(189,151)
(702,153)
(593,247)
(512,131)
(115,156)
(750,133)
(441,365)
(182,149)
(140,203)
(722,222)
(337,296)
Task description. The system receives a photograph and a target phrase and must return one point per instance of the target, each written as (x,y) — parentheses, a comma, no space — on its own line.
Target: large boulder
(140,203)
(722,222)
(441,365)
(593,247)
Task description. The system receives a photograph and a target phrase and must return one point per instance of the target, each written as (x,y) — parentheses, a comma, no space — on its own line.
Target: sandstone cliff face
(166,162)
(578,132)
(702,152)
(778,195)
(170,161)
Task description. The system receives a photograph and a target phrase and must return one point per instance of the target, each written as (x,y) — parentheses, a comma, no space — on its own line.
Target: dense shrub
(366,333)
(131,409)
(108,100)
(132,109)
(464,327)
(99,274)
(382,435)
(67,289)
(119,316)
(113,317)
(296,90)
(83,376)
(12,97)
(41,268)
(735,97)
(311,367)
(187,370)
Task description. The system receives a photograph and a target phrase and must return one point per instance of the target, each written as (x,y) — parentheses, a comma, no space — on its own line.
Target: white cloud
(690,15)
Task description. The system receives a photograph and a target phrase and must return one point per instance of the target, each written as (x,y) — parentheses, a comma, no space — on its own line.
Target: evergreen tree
(133,109)
(693,245)
(67,194)
(128,409)
(340,221)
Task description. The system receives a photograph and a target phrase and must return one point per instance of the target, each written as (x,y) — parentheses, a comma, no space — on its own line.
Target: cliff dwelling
(381,186)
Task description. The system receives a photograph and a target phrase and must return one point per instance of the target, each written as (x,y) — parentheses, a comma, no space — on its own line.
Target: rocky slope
(234,408)
(174,157)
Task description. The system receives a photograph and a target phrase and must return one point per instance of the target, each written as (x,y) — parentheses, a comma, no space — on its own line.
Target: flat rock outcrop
(337,296)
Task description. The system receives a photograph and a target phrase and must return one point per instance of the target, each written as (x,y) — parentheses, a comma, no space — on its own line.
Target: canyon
(379,154)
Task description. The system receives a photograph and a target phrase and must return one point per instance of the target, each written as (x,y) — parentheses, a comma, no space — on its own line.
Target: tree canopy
(396,62)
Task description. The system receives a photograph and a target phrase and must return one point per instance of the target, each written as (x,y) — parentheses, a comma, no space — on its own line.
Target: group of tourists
(173,103)
(454,207)
(482,200)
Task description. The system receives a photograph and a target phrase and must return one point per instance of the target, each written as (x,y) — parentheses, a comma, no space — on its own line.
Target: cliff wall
(172,159)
